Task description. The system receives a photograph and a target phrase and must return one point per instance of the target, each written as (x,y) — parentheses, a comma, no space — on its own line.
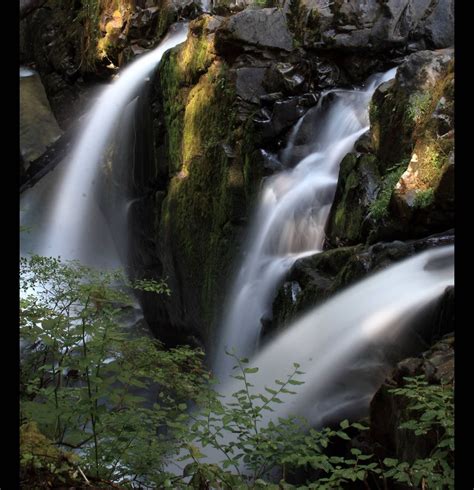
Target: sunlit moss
(197,53)
(424,198)
(198,108)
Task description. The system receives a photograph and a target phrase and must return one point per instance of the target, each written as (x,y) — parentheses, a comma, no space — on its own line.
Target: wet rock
(388,411)
(268,100)
(328,74)
(270,162)
(277,116)
(411,140)
(358,186)
(248,83)
(321,276)
(286,113)
(263,124)
(285,77)
(263,28)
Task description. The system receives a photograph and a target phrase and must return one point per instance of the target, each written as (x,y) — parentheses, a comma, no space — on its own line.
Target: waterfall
(335,342)
(291,217)
(73,226)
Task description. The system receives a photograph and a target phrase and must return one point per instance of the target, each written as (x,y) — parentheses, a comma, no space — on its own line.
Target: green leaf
(251,370)
(390,462)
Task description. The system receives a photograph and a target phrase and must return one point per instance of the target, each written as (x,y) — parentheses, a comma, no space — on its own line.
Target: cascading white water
(291,218)
(69,226)
(333,342)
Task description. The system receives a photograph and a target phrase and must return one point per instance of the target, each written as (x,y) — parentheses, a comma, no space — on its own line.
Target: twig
(84,476)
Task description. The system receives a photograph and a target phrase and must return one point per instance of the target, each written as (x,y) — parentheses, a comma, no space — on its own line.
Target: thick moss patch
(206,195)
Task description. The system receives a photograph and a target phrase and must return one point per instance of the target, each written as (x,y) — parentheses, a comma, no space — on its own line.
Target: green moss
(357,175)
(42,465)
(373,112)
(198,105)
(424,198)
(379,208)
(419,106)
(166,18)
(89,16)
(304,24)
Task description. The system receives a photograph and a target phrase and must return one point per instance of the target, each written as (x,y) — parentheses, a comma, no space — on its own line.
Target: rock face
(38,126)
(399,185)
(418,24)
(223,105)
(264,28)
(221,109)
(388,411)
(314,279)
(57,57)
(74,46)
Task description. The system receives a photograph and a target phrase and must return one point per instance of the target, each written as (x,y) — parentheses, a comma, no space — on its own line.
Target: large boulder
(38,126)
(263,28)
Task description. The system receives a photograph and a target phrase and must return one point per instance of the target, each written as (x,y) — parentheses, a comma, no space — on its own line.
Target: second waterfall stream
(291,217)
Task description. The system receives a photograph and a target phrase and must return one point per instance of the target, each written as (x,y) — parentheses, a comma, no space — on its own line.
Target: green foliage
(88,16)
(83,386)
(84,378)
(432,409)
(254,446)
(379,208)
(40,461)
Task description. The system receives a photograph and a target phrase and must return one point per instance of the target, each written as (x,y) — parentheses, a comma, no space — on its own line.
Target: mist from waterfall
(291,217)
(339,345)
(62,209)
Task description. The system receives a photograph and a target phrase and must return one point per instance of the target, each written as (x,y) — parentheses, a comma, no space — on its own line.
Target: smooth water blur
(62,210)
(336,344)
(291,217)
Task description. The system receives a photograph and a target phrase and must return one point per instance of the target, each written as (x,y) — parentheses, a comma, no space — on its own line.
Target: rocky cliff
(219,111)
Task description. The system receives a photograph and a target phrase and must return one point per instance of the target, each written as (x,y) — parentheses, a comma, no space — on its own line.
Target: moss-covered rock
(314,279)
(401,186)
(359,182)
(207,177)
(42,465)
